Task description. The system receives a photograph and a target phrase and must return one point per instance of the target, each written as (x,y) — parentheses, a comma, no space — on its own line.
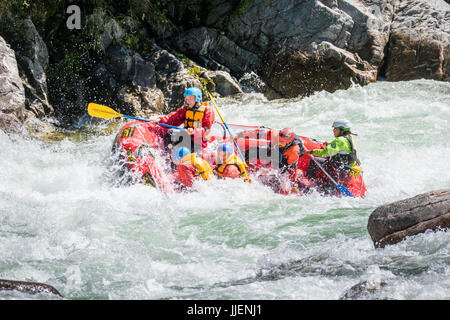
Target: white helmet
(342,124)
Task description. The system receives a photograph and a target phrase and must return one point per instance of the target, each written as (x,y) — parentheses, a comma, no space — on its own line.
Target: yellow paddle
(100,111)
(226,126)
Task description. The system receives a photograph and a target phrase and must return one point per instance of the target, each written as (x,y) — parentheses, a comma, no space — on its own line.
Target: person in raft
(341,160)
(190,167)
(229,165)
(290,149)
(197,118)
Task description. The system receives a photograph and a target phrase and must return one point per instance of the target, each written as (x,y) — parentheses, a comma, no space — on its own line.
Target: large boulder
(419,45)
(106,30)
(392,223)
(175,74)
(32,58)
(12,92)
(129,67)
(127,82)
(225,84)
(297,40)
(212,46)
(320,67)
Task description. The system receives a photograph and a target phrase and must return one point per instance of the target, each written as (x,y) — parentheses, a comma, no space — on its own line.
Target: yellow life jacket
(233,159)
(202,167)
(194,116)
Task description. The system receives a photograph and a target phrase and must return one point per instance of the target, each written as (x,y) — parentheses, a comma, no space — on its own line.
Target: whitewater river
(63,223)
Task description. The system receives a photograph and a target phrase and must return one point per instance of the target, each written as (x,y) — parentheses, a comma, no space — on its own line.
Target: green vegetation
(196,71)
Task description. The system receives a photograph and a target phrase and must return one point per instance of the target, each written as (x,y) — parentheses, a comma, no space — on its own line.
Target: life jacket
(194,116)
(347,161)
(283,160)
(202,167)
(233,159)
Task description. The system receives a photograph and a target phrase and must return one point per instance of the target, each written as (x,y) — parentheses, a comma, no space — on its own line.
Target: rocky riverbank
(138,57)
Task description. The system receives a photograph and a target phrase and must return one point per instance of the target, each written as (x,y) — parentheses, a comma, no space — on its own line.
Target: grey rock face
(419,45)
(320,67)
(225,84)
(360,27)
(393,222)
(129,66)
(32,58)
(107,30)
(12,93)
(265,36)
(212,44)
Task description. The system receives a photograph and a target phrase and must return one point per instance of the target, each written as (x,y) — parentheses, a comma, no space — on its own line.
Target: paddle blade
(99,111)
(345,191)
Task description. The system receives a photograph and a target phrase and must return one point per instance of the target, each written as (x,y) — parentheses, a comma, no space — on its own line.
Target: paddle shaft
(340,187)
(226,126)
(158,123)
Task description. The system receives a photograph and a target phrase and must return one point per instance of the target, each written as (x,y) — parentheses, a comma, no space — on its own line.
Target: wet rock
(419,45)
(142,102)
(211,44)
(251,82)
(321,67)
(11,125)
(165,62)
(392,223)
(107,29)
(299,42)
(225,85)
(28,287)
(12,93)
(174,87)
(129,66)
(32,58)
(363,290)
(172,77)
(42,130)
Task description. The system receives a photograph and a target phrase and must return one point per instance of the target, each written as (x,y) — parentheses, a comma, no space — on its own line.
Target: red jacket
(177,118)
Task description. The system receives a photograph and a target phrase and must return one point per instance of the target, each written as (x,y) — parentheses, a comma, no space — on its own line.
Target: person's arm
(331,149)
(175,118)
(292,154)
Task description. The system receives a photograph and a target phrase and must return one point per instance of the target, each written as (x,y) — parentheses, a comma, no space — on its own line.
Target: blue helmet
(194,91)
(179,153)
(225,147)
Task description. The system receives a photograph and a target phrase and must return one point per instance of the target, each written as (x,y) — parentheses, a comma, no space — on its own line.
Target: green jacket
(340,145)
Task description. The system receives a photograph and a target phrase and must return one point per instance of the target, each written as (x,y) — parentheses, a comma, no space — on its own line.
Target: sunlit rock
(393,222)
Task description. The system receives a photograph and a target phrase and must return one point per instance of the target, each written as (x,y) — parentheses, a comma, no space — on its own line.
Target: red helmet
(286,135)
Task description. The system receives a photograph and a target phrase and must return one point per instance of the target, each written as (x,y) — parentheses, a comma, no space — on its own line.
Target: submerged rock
(28,287)
(392,223)
(363,291)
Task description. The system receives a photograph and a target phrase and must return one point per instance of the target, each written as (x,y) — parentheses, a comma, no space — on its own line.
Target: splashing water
(64,224)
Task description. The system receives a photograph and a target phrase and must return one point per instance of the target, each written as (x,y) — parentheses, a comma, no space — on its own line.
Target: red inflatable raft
(139,144)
